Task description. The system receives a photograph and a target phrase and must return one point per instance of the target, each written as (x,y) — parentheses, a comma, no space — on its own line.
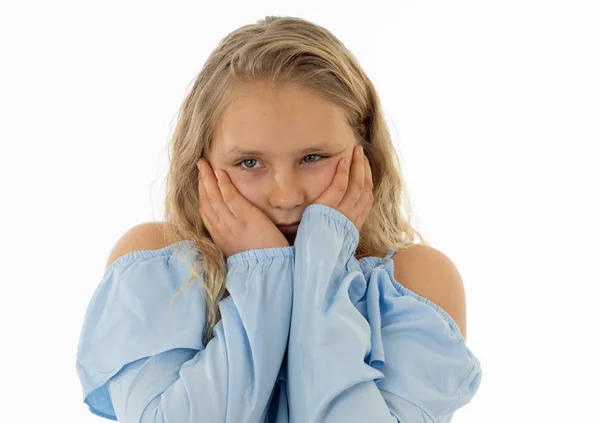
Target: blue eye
(247,160)
(313,155)
(249,169)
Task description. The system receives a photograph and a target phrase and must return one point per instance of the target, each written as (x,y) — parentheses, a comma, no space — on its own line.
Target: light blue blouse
(308,334)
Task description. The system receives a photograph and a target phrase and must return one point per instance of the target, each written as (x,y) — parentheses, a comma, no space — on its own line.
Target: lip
(287,229)
(288,224)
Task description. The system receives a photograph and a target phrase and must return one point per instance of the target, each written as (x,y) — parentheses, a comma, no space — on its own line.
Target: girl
(283,203)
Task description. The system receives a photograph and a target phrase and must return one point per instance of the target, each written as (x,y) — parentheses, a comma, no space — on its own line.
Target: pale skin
(275,185)
(236,225)
(240,212)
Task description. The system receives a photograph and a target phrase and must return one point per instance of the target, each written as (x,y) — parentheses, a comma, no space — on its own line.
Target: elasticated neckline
(369,262)
(146,254)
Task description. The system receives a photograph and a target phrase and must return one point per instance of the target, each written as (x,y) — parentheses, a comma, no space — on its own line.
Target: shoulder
(431,274)
(144,236)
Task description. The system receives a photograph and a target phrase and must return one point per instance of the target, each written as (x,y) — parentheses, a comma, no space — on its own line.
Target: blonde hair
(282,49)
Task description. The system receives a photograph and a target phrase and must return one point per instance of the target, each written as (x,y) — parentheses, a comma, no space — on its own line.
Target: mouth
(289,229)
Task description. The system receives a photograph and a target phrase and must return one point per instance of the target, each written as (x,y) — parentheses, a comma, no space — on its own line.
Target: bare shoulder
(145,236)
(431,274)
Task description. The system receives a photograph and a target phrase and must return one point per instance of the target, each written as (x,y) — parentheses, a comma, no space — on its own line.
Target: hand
(233,222)
(351,192)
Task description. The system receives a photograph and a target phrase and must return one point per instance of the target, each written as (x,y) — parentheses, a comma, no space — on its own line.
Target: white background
(493,106)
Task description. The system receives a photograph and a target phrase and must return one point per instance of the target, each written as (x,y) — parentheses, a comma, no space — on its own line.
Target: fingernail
(217,174)
(346,162)
(362,153)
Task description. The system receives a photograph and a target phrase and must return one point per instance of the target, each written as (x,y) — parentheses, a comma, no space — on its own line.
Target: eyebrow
(243,152)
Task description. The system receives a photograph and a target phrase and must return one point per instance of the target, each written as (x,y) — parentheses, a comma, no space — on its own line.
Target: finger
(213,193)
(367,198)
(356,182)
(364,214)
(204,208)
(367,184)
(335,192)
(237,204)
(368,175)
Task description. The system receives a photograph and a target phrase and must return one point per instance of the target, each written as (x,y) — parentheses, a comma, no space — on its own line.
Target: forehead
(268,117)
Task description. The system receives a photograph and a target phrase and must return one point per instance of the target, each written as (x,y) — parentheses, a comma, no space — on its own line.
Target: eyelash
(254,169)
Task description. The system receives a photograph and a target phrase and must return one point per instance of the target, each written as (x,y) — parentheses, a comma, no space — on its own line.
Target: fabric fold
(141,360)
(386,356)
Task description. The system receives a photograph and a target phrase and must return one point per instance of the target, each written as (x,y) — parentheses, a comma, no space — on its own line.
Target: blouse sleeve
(404,361)
(141,359)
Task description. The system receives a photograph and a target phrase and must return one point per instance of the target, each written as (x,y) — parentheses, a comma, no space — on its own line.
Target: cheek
(321,180)
(315,184)
(247,188)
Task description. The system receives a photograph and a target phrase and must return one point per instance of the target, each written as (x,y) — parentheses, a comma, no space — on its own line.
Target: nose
(286,191)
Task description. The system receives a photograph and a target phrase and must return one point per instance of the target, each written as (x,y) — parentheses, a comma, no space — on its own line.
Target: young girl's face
(280,145)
